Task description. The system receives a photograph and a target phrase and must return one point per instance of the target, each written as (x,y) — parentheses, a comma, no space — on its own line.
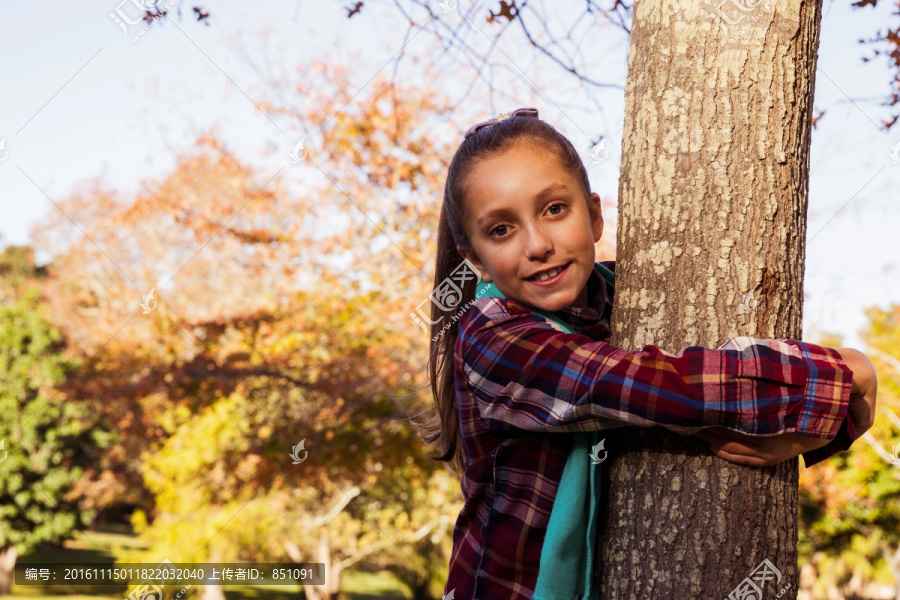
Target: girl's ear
(472,259)
(596,217)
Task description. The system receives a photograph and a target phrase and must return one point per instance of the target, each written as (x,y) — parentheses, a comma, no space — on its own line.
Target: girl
(523,370)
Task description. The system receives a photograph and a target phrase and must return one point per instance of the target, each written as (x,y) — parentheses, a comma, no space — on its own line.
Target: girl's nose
(539,243)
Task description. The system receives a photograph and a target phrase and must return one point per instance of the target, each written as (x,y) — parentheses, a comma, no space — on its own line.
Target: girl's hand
(755,450)
(863,390)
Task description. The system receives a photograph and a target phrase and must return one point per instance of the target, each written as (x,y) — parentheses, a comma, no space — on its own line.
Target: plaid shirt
(523,384)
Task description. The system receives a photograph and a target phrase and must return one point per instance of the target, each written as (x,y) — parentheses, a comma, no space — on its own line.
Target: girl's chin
(554,304)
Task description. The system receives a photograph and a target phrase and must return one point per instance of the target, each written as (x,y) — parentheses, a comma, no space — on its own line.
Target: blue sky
(80,100)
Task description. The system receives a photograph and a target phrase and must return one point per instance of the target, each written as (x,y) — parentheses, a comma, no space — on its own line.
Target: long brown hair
(441,424)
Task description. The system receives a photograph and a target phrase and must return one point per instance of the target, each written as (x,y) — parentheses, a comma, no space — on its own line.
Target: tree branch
(879,450)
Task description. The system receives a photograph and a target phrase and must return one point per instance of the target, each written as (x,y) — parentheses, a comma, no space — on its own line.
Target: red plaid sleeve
(527,375)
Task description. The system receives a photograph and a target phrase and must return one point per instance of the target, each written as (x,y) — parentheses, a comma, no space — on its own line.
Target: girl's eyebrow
(545,193)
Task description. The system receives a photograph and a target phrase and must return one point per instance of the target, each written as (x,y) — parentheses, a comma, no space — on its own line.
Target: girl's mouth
(555,276)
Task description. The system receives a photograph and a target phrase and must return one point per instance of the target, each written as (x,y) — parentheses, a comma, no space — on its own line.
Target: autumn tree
(17,271)
(255,339)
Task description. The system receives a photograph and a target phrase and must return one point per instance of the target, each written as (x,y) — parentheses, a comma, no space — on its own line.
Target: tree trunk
(7,568)
(213,591)
(712,207)
(331,589)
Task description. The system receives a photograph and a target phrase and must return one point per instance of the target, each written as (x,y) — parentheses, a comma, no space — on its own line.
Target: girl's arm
(762,451)
(526,375)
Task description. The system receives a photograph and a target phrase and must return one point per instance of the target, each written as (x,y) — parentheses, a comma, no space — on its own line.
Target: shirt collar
(597,300)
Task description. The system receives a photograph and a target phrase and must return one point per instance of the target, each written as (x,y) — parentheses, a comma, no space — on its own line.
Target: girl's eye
(494,230)
(562,205)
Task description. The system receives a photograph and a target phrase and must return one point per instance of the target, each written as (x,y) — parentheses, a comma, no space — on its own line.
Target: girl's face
(526,215)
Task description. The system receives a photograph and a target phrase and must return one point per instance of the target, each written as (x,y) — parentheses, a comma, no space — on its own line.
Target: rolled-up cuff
(842,441)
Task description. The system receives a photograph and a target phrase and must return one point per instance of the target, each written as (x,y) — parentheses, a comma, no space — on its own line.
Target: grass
(97,546)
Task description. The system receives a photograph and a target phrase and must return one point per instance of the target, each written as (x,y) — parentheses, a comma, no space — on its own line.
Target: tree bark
(712,207)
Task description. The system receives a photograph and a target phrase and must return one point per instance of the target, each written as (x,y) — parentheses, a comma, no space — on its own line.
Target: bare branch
(870,439)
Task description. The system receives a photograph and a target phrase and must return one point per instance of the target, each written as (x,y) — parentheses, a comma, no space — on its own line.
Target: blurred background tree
(266,329)
(42,433)
(850,505)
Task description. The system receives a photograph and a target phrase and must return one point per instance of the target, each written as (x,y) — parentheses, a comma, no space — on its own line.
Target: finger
(741,459)
(758,455)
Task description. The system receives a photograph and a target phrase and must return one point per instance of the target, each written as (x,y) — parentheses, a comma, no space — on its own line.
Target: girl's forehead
(517,170)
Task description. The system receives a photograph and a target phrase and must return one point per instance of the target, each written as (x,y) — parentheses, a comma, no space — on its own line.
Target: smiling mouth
(547,275)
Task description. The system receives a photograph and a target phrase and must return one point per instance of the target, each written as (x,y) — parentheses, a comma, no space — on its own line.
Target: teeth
(548,274)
